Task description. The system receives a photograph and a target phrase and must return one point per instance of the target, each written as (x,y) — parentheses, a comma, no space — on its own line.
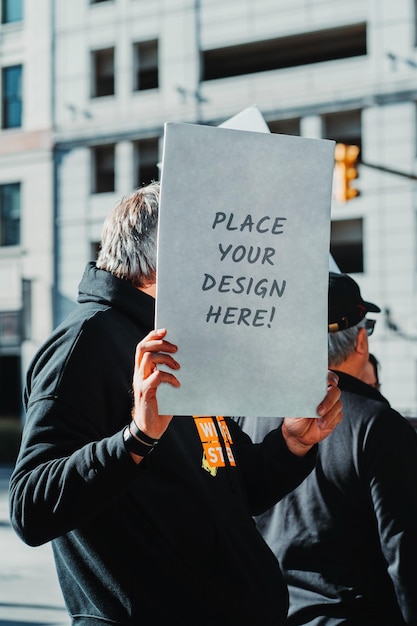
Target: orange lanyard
(209,436)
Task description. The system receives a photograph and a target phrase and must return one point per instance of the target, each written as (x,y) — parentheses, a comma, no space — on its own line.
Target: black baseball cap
(346,305)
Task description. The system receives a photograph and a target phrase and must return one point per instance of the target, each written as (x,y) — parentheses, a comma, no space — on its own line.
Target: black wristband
(134,445)
(136,432)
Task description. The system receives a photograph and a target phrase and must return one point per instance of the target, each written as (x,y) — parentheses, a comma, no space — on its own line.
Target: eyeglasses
(370,325)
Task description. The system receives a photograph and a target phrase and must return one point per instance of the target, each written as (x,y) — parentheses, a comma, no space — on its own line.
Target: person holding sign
(150,516)
(346,538)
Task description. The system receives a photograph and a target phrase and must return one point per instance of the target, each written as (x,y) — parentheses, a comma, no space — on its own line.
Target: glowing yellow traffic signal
(346,161)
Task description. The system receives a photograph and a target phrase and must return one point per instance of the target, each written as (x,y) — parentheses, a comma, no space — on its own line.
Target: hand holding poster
(242,270)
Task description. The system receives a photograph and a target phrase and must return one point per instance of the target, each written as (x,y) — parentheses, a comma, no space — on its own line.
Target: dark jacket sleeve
(268,469)
(53,491)
(389,467)
(72,459)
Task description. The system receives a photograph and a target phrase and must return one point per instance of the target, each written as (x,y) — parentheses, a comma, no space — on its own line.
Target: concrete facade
(26,158)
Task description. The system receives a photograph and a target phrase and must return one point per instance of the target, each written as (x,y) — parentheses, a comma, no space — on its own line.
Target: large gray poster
(243,257)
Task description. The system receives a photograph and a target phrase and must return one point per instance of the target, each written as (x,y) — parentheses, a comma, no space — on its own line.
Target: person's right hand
(152,351)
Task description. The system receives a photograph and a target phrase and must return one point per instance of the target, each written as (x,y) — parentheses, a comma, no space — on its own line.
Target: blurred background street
(29,590)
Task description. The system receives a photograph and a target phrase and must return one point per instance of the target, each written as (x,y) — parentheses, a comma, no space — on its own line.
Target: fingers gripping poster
(243,248)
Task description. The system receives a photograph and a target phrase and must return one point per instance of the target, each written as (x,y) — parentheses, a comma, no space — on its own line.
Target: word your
(263,225)
(252,254)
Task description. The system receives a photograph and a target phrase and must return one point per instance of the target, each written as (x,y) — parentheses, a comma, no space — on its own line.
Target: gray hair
(129,236)
(342,343)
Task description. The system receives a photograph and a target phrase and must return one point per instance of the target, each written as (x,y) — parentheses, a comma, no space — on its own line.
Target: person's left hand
(301,433)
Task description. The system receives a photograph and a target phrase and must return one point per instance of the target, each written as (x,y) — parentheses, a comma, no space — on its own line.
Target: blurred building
(87,86)
(26,190)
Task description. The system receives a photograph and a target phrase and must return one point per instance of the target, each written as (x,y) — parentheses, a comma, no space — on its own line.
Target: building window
(346,245)
(415,237)
(12,96)
(26,312)
(284,52)
(95,247)
(343,127)
(102,73)
(415,28)
(103,168)
(10,386)
(11,11)
(10,328)
(285,127)
(10,214)
(146,65)
(146,159)
(415,121)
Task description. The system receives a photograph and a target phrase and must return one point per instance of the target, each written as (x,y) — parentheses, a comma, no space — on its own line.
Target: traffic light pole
(347,161)
(389,170)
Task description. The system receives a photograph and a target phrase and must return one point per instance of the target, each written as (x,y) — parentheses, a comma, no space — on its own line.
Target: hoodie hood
(102,287)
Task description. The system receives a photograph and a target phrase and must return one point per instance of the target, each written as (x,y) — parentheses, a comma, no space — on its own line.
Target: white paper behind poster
(333,267)
(243,257)
(248,119)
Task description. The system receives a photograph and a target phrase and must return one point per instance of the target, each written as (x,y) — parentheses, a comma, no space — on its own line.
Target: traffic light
(346,160)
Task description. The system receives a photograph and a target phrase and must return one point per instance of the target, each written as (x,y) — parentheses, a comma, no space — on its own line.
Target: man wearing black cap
(346,305)
(346,538)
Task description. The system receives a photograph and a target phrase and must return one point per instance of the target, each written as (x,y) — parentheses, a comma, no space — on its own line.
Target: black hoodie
(346,538)
(170,541)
